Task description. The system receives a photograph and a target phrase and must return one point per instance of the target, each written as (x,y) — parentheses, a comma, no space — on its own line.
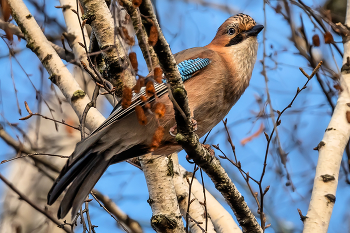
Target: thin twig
(205,202)
(197,223)
(92,103)
(96,199)
(29,155)
(189,197)
(269,138)
(48,118)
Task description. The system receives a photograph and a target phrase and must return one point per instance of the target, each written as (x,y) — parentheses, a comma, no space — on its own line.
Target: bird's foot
(194,124)
(172,131)
(209,149)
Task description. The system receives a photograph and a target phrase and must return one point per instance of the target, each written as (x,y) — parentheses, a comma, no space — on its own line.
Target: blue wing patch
(188,67)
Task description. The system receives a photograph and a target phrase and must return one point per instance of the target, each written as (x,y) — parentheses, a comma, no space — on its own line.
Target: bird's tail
(83,174)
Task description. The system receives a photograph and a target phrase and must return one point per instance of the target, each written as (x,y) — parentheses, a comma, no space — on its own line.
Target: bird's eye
(231,31)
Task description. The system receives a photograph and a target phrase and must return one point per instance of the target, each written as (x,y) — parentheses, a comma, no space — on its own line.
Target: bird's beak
(254,31)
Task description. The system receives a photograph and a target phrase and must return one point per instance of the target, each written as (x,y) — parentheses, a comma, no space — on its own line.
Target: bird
(215,76)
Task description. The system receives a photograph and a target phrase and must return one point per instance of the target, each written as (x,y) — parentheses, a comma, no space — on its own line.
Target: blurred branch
(305,52)
(331,150)
(123,218)
(109,204)
(48,19)
(281,153)
(223,7)
(25,198)
(319,21)
(22,148)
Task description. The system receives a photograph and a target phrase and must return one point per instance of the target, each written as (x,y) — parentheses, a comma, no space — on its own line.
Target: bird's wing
(118,112)
(85,164)
(190,62)
(187,69)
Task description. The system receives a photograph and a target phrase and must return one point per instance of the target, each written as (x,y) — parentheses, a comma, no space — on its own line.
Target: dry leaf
(254,135)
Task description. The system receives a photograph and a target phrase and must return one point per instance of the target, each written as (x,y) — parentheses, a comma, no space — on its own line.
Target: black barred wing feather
(118,112)
(186,68)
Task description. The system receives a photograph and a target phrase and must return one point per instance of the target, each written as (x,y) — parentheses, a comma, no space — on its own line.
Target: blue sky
(187,25)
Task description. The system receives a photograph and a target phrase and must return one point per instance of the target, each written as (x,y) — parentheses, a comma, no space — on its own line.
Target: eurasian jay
(215,76)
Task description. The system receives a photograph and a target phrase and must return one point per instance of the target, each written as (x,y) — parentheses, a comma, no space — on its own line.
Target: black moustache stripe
(235,40)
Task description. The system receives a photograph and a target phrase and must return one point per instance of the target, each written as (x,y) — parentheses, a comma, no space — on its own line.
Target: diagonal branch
(59,73)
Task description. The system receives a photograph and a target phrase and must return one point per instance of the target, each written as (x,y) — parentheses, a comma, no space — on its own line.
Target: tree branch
(196,210)
(118,65)
(59,73)
(159,172)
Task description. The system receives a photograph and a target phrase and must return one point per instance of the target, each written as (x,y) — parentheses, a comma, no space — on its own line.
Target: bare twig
(45,117)
(96,199)
(86,110)
(269,138)
(29,155)
(189,196)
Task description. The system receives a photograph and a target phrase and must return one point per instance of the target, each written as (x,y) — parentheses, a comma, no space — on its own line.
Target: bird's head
(238,31)
(236,42)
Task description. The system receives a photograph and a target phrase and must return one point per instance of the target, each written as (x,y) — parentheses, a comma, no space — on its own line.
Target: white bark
(162,195)
(37,41)
(331,151)
(73,28)
(196,210)
(222,220)
(103,28)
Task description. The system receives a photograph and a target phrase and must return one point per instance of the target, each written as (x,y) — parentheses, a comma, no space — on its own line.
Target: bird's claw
(194,125)
(172,130)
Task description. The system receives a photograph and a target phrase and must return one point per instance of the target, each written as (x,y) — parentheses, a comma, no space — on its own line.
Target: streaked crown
(241,22)
(236,29)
